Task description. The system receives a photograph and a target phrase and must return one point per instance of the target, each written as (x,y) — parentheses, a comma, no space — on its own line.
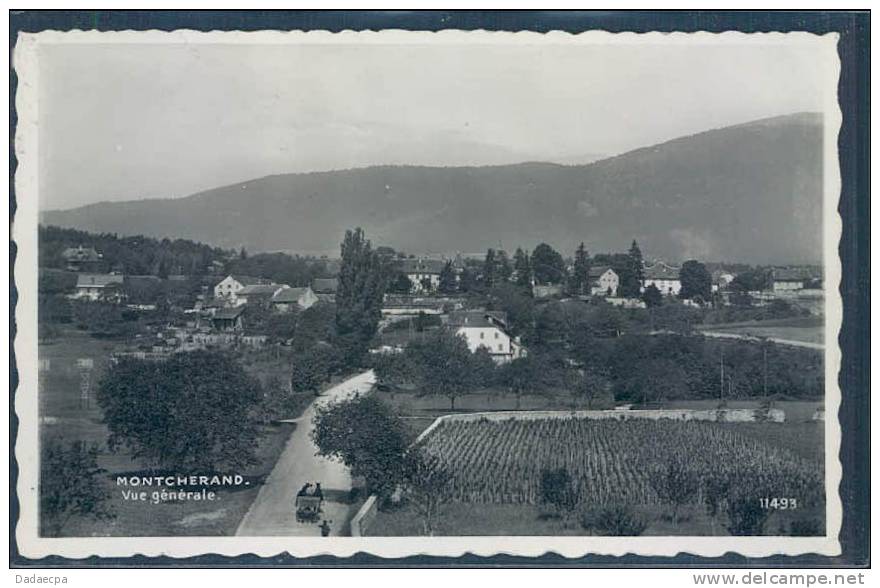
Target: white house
(487,329)
(721,280)
(423,274)
(603,281)
(229,286)
(99,287)
(662,276)
(287,299)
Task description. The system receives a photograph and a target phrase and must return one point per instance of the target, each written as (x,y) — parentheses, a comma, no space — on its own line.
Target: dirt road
(746,337)
(272,513)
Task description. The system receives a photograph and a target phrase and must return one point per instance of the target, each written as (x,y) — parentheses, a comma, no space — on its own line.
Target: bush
(616,520)
(675,484)
(745,516)
(557,490)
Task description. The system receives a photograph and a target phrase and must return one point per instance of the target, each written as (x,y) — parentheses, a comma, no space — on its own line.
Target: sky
(133,121)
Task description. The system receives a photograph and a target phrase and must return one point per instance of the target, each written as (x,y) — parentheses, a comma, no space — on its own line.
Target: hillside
(750,192)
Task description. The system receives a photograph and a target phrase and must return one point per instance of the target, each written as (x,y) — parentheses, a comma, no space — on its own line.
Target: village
(277,339)
(444,289)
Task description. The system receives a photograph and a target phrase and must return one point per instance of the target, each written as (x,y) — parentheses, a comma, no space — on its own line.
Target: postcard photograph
(427,293)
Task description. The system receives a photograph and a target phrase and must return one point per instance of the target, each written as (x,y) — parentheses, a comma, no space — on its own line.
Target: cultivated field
(610,461)
(496,469)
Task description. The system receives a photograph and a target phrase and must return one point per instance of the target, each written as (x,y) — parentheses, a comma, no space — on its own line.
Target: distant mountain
(751,192)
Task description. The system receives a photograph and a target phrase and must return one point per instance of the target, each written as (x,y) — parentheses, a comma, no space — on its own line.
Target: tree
(427,483)
(489,269)
(193,411)
(550,325)
(547,264)
(558,490)
(502,266)
(652,297)
(746,516)
(593,386)
(393,369)
(580,275)
(631,281)
(753,280)
(674,483)
(444,365)
(399,283)
(467,280)
(359,294)
(312,368)
(517,303)
(71,485)
(484,368)
(367,436)
(696,282)
(522,267)
(520,376)
(447,283)
(657,379)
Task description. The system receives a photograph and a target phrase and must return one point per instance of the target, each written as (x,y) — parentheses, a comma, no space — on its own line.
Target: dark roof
(421,266)
(80,253)
(660,271)
(597,271)
(145,278)
(98,280)
(478,318)
(229,314)
(248,280)
(325,285)
(288,295)
(259,290)
(790,275)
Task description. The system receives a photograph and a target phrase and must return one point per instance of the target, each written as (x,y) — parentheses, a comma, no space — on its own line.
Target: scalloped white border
(24,233)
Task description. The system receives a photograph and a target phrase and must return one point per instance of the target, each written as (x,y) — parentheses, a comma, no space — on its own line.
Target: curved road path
(272,512)
(746,337)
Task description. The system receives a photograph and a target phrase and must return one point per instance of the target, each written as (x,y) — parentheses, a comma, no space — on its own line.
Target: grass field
(496,472)
(527,520)
(63,413)
(806,329)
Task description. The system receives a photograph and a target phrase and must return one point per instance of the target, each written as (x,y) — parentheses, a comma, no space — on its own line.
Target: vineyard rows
(611,462)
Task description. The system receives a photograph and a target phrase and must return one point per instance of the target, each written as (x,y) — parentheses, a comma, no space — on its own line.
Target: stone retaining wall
(365,515)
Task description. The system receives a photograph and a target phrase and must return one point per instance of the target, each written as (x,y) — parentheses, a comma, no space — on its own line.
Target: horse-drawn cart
(308,508)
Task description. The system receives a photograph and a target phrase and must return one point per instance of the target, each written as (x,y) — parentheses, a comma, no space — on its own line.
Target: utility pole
(765,370)
(722,372)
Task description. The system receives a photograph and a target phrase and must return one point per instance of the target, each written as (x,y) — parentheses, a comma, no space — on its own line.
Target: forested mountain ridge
(750,192)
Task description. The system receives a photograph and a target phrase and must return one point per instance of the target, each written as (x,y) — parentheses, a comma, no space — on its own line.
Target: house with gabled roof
(487,329)
(229,319)
(81,259)
(662,276)
(423,274)
(325,288)
(228,287)
(257,294)
(789,279)
(603,281)
(290,299)
(105,287)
